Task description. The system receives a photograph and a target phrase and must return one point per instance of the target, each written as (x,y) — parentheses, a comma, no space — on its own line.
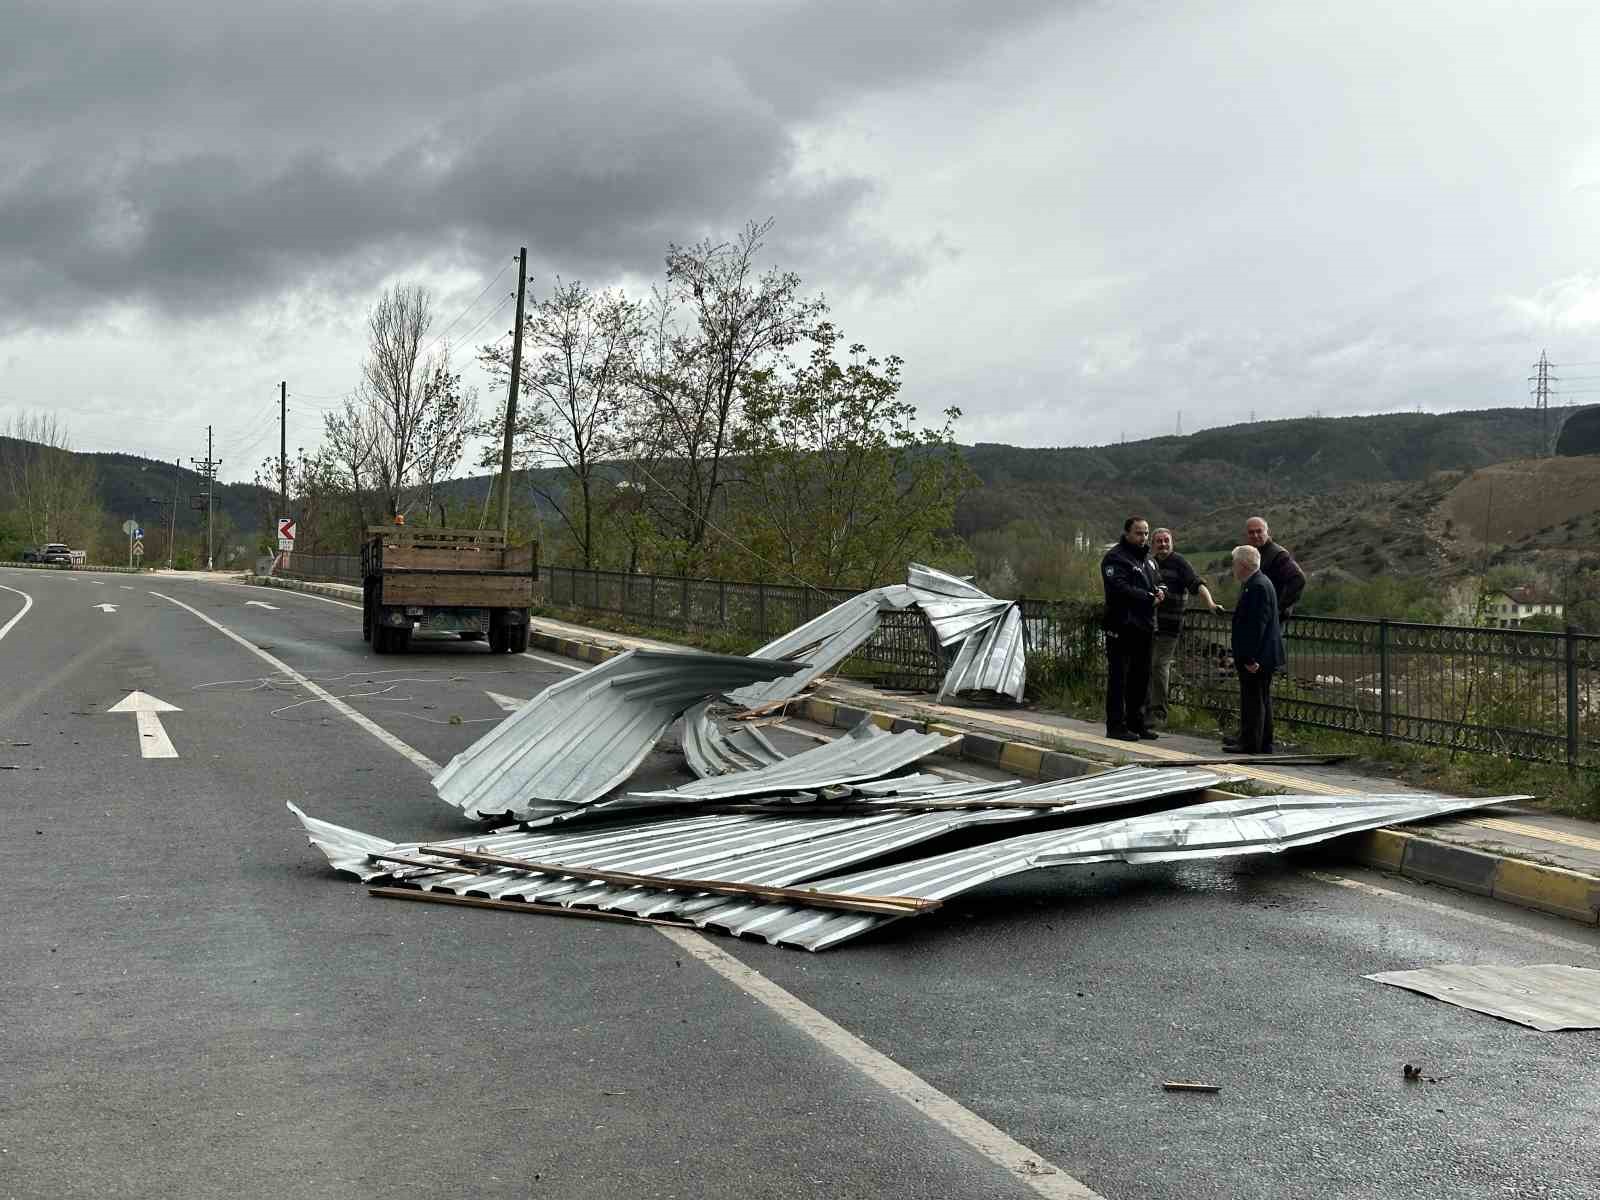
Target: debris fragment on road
(1547,997)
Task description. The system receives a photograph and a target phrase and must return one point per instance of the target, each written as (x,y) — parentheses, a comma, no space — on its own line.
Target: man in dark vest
(1133,589)
(1181,581)
(1257,651)
(1278,565)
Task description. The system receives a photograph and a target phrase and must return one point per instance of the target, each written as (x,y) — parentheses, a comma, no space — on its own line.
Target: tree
(412,404)
(351,437)
(52,490)
(580,351)
(736,321)
(843,487)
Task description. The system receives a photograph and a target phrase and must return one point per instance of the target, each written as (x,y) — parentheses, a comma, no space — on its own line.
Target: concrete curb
(21,566)
(341,591)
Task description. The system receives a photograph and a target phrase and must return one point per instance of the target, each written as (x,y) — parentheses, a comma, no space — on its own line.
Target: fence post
(652,580)
(685,610)
(1385,706)
(1572,701)
(722,604)
(761,609)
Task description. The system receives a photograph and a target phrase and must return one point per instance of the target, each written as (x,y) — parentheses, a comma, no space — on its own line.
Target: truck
(463,581)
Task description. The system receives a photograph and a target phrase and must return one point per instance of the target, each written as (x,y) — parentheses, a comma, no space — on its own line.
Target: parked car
(52,552)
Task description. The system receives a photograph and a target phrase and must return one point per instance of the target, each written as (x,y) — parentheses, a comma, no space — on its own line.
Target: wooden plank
(527,906)
(459,591)
(890,906)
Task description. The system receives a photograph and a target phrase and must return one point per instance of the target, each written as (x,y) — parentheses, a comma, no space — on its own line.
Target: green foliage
(1400,599)
(1031,558)
(840,488)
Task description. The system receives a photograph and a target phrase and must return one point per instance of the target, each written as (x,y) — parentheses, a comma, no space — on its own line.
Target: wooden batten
(465,591)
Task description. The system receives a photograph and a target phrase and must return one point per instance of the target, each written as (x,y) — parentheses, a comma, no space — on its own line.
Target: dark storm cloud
(191,157)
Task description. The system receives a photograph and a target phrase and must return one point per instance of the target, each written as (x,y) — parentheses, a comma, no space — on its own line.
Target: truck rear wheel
(366,610)
(516,639)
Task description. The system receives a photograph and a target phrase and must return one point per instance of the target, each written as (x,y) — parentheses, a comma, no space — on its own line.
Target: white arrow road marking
(509,703)
(27,603)
(153,739)
(105,607)
(262,604)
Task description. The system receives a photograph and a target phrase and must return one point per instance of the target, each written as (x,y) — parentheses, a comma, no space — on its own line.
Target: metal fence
(326,568)
(1519,694)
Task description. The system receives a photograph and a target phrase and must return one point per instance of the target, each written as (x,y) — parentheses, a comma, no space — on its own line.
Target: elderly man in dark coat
(1257,651)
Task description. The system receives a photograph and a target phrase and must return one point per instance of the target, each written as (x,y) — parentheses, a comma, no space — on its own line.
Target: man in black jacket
(1278,565)
(1181,581)
(1257,651)
(1133,589)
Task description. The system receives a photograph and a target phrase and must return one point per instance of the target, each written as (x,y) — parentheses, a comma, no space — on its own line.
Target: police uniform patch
(1110,571)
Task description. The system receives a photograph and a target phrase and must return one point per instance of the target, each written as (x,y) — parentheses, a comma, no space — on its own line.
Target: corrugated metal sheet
(1549,996)
(993,660)
(866,752)
(742,848)
(1246,825)
(712,751)
(578,739)
(825,641)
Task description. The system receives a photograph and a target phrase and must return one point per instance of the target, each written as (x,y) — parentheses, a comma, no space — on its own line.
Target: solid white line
(1446,910)
(378,731)
(27,603)
(552,662)
(324,599)
(1023,1164)
(153,739)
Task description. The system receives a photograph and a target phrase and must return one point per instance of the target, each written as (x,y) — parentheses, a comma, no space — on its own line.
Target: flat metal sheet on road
(1547,997)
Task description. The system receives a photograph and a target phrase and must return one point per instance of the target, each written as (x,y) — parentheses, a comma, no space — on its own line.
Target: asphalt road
(194,1005)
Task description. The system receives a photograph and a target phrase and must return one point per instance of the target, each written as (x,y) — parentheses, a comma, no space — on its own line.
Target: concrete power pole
(511,396)
(1541,380)
(208,470)
(283,451)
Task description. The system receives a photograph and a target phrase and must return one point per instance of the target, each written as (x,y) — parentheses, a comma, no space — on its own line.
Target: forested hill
(1206,479)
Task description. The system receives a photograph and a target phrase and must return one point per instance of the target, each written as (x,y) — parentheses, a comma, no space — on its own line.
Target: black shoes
(1148,735)
(1122,735)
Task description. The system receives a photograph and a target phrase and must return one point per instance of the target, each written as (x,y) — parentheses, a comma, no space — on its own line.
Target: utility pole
(1180,422)
(1541,380)
(283,450)
(208,469)
(511,396)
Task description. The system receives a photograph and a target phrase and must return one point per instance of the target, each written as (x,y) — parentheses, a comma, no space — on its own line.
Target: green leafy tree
(840,486)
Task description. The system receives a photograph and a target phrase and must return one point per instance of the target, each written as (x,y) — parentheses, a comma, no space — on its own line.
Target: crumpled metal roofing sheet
(866,752)
(577,739)
(711,750)
(1548,996)
(993,660)
(739,848)
(825,640)
(1246,825)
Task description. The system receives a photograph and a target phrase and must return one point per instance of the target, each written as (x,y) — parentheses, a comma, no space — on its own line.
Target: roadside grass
(1061,685)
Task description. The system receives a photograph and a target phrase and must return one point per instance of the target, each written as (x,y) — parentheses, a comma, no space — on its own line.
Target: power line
(465,310)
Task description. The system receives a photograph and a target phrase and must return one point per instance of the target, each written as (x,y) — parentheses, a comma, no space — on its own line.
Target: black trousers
(1127,679)
(1255,710)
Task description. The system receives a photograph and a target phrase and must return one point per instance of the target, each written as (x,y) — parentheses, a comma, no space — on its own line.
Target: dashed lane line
(378,731)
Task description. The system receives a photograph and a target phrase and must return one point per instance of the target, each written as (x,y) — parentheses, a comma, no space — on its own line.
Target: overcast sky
(1075,221)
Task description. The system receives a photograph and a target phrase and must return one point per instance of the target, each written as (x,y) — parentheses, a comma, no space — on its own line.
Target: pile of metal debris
(812,849)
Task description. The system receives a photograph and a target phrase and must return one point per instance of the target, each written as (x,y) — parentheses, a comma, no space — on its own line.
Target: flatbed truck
(463,581)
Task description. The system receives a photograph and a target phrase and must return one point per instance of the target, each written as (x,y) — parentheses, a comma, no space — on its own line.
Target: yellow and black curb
(1519,881)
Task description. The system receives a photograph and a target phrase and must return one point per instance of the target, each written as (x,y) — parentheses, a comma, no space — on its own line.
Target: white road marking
(1023,1164)
(262,604)
(509,703)
(970,1128)
(555,662)
(105,608)
(324,599)
(147,710)
(1446,910)
(27,603)
(124,587)
(416,757)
